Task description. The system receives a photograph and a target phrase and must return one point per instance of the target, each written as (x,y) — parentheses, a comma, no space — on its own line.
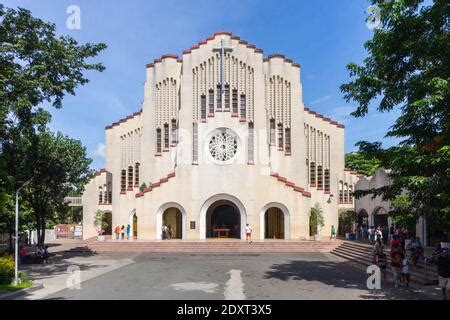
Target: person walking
(248,233)
(169,231)
(443,263)
(396,263)
(117,231)
(122,232)
(405,270)
(333,233)
(128,231)
(22,255)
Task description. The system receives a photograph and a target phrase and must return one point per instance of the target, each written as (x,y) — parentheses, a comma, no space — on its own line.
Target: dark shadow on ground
(340,275)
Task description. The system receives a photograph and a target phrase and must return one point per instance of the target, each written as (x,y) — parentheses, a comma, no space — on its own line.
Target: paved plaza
(211,277)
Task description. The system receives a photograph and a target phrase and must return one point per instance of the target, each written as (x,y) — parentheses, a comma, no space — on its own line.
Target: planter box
(317,237)
(101,238)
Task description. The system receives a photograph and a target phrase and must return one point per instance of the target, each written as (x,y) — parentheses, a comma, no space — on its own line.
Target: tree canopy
(37,70)
(358,162)
(408,68)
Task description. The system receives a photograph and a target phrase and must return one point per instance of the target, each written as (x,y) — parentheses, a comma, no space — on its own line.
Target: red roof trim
(124,120)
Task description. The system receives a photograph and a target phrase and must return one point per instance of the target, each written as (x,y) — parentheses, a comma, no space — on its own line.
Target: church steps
(360,256)
(211,246)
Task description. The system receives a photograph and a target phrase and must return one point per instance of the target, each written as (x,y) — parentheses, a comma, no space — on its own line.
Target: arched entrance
(174,214)
(223,209)
(274,221)
(223,215)
(172,218)
(107,217)
(363,218)
(132,221)
(274,224)
(135,226)
(380,217)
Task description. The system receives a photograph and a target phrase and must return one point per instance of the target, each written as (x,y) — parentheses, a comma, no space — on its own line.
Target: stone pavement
(301,276)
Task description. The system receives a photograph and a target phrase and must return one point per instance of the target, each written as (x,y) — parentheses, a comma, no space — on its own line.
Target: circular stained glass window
(223,146)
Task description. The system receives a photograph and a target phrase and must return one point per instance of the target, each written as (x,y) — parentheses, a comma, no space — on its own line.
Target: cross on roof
(222,48)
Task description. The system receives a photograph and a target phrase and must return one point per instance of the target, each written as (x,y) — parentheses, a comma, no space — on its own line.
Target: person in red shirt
(22,254)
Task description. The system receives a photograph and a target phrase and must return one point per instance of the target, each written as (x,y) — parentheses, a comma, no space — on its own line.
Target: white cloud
(100,151)
(320,100)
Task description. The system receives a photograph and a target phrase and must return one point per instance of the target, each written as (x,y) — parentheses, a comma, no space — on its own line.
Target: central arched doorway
(223,215)
(221,209)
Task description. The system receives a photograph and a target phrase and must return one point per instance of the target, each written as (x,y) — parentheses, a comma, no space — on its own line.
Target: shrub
(6,269)
(100,222)
(316,219)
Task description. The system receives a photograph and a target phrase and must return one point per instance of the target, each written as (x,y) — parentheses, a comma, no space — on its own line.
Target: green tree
(36,68)
(408,68)
(316,219)
(58,165)
(358,162)
(100,222)
(8,218)
(39,68)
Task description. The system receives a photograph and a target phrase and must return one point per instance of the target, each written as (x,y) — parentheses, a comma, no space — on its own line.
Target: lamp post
(16,264)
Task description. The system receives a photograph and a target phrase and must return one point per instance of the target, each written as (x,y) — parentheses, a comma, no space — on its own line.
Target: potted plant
(316,221)
(100,224)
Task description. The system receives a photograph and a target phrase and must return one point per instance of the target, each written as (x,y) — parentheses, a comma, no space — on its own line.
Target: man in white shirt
(248,233)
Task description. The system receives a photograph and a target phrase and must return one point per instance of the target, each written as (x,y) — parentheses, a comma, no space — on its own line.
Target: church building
(223,139)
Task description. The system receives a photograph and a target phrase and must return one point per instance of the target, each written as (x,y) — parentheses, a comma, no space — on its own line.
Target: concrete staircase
(211,246)
(360,254)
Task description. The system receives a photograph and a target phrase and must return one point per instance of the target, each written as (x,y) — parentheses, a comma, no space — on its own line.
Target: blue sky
(322,35)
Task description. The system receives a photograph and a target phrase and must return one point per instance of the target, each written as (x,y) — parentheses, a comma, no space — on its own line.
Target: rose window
(223,146)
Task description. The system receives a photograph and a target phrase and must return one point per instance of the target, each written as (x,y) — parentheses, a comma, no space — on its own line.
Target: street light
(16,267)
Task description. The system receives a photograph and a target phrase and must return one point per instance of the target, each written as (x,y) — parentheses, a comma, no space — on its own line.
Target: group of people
(403,257)
(41,253)
(167,232)
(122,231)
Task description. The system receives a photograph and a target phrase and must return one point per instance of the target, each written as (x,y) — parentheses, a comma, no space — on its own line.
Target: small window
(136,175)
(227,97)
(123,181)
(211,101)
(130,177)
(174,132)
(319,178)
(327,180)
(243,107)
(219,96)
(100,195)
(350,194)
(166,136)
(280,136)
(341,192)
(251,143)
(194,143)
(203,107)
(288,141)
(158,141)
(235,102)
(312,175)
(272,132)
(345,193)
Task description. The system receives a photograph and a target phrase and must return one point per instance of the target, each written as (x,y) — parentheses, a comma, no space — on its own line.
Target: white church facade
(223,139)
